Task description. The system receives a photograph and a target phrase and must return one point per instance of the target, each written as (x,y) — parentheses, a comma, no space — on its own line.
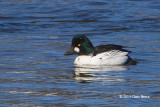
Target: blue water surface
(34,34)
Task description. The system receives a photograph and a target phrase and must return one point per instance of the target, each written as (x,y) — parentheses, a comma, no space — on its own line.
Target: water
(34,34)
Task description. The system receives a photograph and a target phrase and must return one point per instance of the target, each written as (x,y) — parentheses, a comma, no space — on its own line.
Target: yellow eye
(79,44)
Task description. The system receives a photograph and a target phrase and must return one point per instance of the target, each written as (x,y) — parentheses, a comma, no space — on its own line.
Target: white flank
(114,57)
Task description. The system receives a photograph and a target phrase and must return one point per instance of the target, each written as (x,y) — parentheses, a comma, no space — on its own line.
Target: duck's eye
(79,44)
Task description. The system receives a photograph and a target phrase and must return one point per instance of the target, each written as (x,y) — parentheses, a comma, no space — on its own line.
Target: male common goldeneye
(100,55)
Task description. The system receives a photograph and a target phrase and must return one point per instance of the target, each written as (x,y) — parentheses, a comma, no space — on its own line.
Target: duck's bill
(70,52)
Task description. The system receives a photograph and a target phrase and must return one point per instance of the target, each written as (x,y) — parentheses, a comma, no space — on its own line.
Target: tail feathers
(130,61)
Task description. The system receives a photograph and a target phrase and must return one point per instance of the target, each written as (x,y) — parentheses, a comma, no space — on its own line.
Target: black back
(109,47)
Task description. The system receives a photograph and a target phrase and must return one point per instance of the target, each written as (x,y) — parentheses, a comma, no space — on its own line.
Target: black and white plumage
(100,55)
(111,48)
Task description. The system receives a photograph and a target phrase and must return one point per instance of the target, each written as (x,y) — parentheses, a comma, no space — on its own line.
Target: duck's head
(81,45)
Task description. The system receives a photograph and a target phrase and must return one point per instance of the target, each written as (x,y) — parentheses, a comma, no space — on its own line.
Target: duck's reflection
(107,74)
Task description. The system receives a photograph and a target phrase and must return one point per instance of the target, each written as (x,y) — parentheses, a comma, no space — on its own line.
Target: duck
(101,55)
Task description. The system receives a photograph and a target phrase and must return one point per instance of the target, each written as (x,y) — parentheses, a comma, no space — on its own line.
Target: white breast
(113,57)
(83,60)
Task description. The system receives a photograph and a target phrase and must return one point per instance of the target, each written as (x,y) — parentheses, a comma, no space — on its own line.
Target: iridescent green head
(81,45)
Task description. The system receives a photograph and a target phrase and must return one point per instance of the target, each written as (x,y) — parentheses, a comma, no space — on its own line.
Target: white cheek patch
(76,49)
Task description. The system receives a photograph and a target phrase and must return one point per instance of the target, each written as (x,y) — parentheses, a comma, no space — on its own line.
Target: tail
(130,61)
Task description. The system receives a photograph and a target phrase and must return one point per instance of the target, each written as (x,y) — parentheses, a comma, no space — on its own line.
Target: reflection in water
(102,73)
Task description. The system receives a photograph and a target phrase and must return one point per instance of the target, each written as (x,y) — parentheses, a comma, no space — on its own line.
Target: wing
(110,47)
